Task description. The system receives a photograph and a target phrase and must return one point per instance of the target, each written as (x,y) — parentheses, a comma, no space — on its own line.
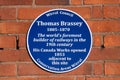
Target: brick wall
(103,17)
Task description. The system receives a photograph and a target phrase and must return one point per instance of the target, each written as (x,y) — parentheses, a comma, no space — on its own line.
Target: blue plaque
(59,40)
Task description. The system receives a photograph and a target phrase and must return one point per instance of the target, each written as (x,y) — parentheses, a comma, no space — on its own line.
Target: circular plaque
(59,40)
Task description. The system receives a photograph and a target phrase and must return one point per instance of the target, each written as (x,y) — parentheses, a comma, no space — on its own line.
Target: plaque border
(49,69)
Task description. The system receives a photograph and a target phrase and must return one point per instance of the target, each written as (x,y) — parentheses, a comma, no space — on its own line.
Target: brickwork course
(103,17)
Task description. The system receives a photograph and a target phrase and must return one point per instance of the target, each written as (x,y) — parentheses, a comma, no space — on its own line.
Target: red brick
(14,55)
(98,68)
(14,27)
(85,12)
(52,2)
(60,2)
(93,79)
(16,2)
(26,78)
(7,13)
(56,78)
(97,12)
(104,54)
(112,68)
(80,78)
(25,69)
(104,26)
(32,13)
(7,70)
(23,55)
(111,78)
(76,2)
(111,11)
(8,55)
(114,78)
(32,69)
(22,41)
(43,2)
(97,40)
(7,42)
(84,69)
(8,78)
(112,40)
(101,1)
